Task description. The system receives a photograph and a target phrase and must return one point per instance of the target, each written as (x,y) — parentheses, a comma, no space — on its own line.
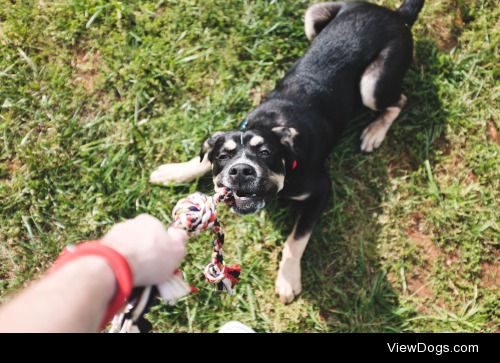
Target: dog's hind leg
(178,173)
(373,135)
(380,88)
(318,16)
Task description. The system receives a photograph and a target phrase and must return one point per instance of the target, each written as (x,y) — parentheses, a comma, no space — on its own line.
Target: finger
(176,239)
(177,234)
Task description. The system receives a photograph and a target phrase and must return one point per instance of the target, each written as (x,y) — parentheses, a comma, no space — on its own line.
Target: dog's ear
(208,145)
(287,136)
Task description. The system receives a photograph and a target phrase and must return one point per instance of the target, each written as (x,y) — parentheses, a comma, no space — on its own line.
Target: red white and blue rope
(198,212)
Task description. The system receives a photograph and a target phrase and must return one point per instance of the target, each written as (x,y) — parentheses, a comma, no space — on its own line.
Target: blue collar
(243,125)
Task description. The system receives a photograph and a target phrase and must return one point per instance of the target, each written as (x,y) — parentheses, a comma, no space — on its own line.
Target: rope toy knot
(195,213)
(198,212)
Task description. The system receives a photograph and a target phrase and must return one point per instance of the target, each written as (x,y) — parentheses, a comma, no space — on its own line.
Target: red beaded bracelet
(116,261)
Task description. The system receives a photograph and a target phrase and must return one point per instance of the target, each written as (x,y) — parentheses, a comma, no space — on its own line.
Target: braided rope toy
(198,212)
(195,213)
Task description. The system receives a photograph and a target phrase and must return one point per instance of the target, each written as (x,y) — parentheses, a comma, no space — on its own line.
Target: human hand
(152,251)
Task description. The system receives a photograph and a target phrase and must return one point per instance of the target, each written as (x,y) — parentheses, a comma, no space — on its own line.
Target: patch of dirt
(415,232)
(427,249)
(160,10)
(401,165)
(447,26)
(492,133)
(8,252)
(452,258)
(14,166)
(418,284)
(418,280)
(257,95)
(490,275)
(490,272)
(442,32)
(443,144)
(87,65)
(10,168)
(3,38)
(473,177)
(450,167)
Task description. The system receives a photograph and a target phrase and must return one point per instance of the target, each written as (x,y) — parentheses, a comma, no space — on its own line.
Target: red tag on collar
(294,164)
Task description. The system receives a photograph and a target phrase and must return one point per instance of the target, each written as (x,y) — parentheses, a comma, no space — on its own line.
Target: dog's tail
(409,10)
(318,16)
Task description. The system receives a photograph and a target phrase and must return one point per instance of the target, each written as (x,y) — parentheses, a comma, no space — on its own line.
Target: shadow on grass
(342,273)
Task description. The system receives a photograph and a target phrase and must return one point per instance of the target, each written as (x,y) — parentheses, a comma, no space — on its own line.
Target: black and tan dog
(359,55)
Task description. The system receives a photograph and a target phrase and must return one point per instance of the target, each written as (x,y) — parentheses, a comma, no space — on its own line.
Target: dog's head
(251,163)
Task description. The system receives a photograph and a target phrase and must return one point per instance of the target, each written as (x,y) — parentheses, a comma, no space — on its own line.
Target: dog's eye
(264,152)
(223,156)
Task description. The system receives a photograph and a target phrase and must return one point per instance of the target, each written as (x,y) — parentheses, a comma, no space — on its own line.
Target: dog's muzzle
(242,179)
(247,205)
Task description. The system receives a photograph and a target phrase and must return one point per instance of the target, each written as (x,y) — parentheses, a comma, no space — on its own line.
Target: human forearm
(74,298)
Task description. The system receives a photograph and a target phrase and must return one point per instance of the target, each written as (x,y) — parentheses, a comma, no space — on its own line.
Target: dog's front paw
(179,173)
(167,174)
(288,284)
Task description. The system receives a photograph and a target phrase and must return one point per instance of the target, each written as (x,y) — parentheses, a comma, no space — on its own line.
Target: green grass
(95,94)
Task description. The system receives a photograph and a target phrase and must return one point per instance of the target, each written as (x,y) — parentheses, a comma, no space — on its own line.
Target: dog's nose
(242,172)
